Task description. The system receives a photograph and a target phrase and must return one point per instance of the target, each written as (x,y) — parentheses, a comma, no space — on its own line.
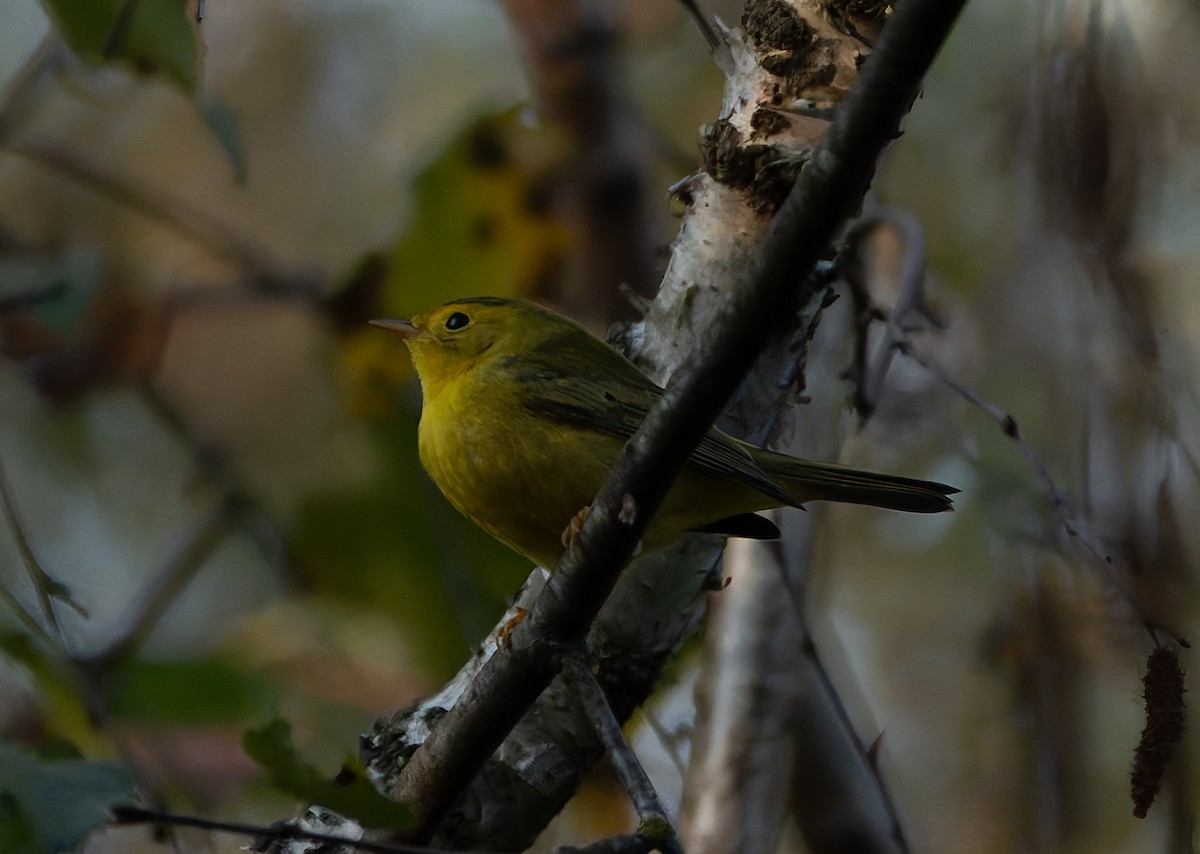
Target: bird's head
(447,341)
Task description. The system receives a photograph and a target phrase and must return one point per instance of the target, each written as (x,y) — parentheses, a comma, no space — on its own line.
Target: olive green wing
(596,387)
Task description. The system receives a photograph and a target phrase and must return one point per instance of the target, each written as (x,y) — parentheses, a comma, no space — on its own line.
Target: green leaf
(350,793)
(154,36)
(47,806)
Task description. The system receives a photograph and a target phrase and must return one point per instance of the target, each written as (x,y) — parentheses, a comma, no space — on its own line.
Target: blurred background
(215,517)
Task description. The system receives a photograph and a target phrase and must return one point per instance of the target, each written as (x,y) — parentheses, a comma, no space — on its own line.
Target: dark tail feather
(808,481)
(749,526)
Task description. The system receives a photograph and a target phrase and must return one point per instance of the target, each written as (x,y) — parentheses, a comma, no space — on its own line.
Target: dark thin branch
(869,374)
(669,742)
(838,783)
(702,23)
(633,843)
(127,815)
(828,192)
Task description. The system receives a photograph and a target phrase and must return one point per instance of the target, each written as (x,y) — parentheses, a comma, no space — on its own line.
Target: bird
(525,412)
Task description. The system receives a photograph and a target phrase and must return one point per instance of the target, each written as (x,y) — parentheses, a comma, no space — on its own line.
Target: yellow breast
(519,476)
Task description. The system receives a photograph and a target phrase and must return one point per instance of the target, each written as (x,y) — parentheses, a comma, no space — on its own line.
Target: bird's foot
(510,625)
(571,532)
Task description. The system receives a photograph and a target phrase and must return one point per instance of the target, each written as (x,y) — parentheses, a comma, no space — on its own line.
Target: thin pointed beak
(404,327)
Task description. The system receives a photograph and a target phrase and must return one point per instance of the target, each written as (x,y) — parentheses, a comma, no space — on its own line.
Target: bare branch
(46,587)
(703,24)
(652,816)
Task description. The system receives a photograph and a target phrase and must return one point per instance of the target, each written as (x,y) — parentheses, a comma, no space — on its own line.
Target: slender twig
(45,586)
(827,193)
(828,706)
(652,815)
(127,815)
(869,375)
(666,740)
(702,23)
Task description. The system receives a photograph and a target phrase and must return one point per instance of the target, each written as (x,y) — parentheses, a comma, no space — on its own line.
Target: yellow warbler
(525,413)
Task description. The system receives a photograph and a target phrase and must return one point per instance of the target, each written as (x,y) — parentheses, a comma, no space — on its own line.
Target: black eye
(457,321)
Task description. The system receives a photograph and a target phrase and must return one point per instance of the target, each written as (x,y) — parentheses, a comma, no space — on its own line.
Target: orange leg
(571,532)
(510,625)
